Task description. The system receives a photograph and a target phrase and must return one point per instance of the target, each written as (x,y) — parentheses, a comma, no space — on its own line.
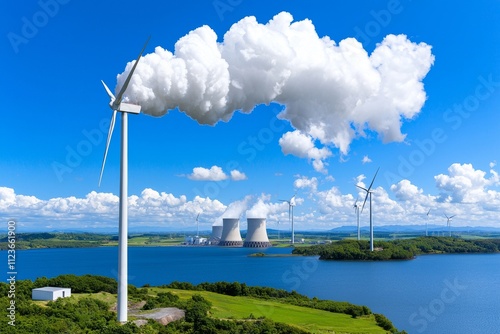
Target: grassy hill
(216,308)
(308,319)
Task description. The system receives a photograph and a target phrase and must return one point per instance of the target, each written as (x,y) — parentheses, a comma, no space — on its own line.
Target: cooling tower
(230,232)
(256,233)
(216,232)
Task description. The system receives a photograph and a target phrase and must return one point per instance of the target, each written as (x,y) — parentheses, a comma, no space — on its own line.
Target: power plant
(231,235)
(256,233)
(216,234)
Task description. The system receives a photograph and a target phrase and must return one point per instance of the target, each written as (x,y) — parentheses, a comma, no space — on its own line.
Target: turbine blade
(125,84)
(452,216)
(366,197)
(111,96)
(110,133)
(367,193)
(371,184)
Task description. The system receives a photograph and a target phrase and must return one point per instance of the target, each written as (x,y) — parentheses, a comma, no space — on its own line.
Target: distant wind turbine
(278,229)
(427,221)
(369,194)
(356,209)
(197,226)
(448,220)
(116,105)
(291,204)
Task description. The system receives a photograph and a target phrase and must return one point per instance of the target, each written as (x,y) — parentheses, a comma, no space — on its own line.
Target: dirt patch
(163,315)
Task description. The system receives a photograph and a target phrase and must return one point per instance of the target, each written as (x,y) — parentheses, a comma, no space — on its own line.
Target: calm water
(431,294)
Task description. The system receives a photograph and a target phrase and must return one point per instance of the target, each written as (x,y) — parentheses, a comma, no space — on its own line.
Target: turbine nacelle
(121,106)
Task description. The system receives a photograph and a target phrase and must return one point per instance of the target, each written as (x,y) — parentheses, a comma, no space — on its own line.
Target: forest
(401,249)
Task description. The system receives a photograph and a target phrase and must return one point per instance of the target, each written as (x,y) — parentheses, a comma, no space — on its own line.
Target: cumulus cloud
(263,208)
(215,173)
(333,92)
(366,160)
(464,184)
(236,175)
(302,146)
(305,182)
(101,209)
(405,191)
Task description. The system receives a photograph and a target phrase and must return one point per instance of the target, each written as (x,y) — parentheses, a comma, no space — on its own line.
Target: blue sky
(55,112)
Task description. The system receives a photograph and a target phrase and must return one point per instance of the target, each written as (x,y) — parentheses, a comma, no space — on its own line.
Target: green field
(246,308)
(311,320)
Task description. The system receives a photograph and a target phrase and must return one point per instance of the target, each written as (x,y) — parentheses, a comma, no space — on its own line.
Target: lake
(431,294)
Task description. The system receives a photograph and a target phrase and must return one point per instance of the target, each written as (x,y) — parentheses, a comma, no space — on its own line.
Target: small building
(50,293)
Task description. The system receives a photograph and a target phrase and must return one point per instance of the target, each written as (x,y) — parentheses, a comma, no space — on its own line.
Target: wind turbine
(278,230)
(369,193)
(291,204)
(448,223)
(426,222)
(197,226)
(116,105)
(356,209)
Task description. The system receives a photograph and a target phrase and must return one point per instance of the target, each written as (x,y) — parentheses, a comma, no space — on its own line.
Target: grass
(312,320)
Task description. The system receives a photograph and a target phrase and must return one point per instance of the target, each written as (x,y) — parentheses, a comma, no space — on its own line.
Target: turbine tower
(116,105)
(291,204)
(197,226)
(356,209)
(278,230)
(448,220)
(369,193)
(426,222)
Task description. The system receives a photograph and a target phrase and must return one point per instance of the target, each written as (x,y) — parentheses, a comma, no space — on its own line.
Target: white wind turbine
(291,204)
(426,222)
(197,226)
(369,193)
(116,105)
(448,220)
(356,209)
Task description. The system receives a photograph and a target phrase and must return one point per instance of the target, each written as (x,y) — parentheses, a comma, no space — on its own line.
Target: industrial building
(256,233)
(231,235)
(50,293)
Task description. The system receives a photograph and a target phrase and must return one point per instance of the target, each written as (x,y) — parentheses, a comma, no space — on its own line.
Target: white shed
(50,293)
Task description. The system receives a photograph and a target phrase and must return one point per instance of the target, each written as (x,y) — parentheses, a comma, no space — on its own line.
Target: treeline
(402,249)
(56,240)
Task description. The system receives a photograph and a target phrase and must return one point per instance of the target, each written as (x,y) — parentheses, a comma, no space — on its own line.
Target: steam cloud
(234,210)
(332,92)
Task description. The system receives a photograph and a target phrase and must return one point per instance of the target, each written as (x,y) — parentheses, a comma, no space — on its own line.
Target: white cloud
(405,191)
(366,160)
(473,198)
(215,173)
(101,209)
(300,145)
(464,184)
(236,175)
(333,92)
(305,182)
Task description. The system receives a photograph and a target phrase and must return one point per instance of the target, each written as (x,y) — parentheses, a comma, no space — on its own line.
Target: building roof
(50,288)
